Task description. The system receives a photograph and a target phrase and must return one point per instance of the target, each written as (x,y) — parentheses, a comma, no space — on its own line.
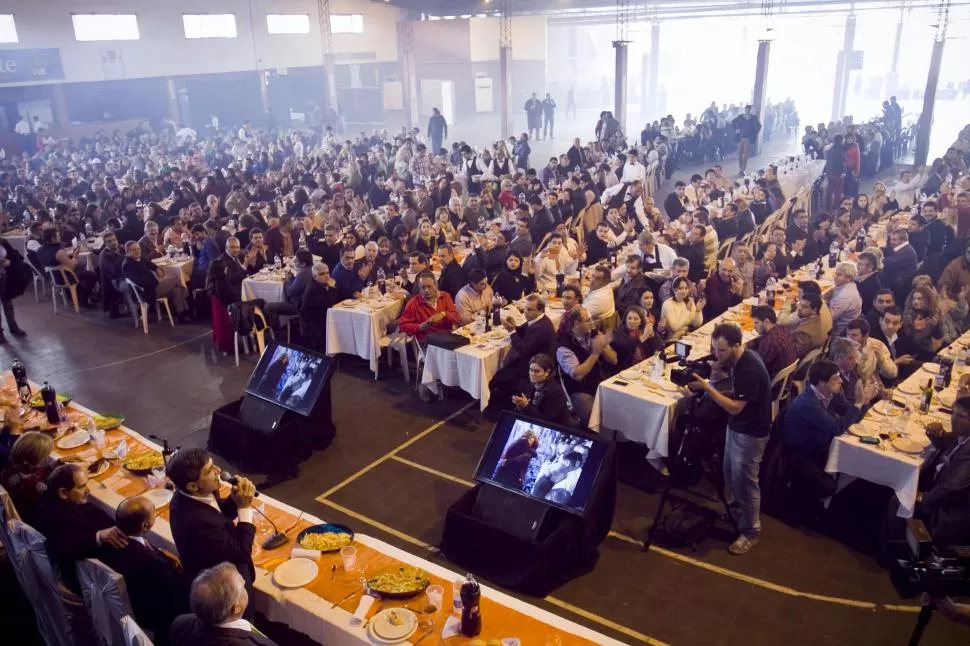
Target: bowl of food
(327,537)
(108,422)
(38,402)
(144,463)
(399,582)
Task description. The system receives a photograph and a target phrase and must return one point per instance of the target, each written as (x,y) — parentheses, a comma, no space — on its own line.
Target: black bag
(685,526)
(447,340)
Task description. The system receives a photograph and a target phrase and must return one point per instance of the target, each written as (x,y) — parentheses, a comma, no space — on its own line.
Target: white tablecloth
(793,179)
(358,330)
(182,271)
(270,291)
(884,465)
(473,366)
(310,614)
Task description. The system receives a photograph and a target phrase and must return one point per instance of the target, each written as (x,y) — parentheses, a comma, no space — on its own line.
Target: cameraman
(748,428)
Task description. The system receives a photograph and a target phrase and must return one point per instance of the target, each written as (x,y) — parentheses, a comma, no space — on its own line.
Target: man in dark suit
(218,599)
(281,241)
(867,280)
(631,286)
(693,252)
(522,242)
(328,247)
(542,222)
(536,336)
(820,413)
(799,232)
(227,273)
(901,348)
(74,528)
(452,277)
(202,523)
(349,284)
(152,280)
(899,265)
(158,593)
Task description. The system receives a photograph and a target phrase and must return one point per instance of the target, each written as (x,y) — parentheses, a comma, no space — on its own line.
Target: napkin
(301,553)
(452,627)
(363,607)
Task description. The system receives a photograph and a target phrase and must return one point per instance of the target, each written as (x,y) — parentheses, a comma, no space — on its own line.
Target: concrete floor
(168,383)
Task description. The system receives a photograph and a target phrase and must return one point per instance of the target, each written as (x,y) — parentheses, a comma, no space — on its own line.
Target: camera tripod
(922,621)
(709,461)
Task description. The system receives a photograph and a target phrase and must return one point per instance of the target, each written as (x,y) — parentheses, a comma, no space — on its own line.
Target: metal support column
(619,102)
(171,93)
(654,105)
(892,81)
(264,91)
(842,70)
(59,104)
(409,76)
(326,42)
(505,68)
(922,149)
(760,89)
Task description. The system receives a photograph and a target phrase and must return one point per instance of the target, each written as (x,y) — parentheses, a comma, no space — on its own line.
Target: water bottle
(381,281)
(20,376)
(770,288)
(833,254)
(49,395)
(658,369)
(471,612)
(860,240)
(278,262)
(456,596)
(302,240)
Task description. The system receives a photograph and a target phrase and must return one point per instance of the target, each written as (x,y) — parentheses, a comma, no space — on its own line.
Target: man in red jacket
(430,311)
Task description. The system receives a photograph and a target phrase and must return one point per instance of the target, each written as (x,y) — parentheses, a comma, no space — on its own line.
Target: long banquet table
(313,609)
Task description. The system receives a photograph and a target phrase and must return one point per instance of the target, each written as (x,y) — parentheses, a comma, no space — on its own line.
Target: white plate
(350,302)
(295,573)
(907,445)
(887,408)
(74,440)
(385,632)
(909,388)
(932,368)
(861,430)
(159,497)
(496,334)
(104,467)
(630,374)
(260,277)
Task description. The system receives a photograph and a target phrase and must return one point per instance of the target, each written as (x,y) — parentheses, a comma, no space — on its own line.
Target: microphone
(278,539)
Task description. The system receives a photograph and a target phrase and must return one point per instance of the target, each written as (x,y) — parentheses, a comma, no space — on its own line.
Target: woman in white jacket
(680,312)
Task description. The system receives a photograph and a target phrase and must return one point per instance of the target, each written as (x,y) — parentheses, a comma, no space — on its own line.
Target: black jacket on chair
(945,492)
(156,588)
(188,630)
(205,538)
(70,532)
(142,273)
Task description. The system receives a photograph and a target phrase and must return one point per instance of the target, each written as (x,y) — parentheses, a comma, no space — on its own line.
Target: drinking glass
(349,557)
(435,594)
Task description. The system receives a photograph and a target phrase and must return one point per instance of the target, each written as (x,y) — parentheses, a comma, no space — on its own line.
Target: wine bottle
(927,397)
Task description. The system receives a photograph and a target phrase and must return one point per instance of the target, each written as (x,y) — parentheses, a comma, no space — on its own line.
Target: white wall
(528,38)
(163,49)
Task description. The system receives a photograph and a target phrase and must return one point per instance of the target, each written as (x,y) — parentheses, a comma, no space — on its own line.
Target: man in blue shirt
(819,414)
(348,282)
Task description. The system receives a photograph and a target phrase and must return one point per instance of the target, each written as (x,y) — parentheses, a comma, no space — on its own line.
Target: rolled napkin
(363,607)
(301,553)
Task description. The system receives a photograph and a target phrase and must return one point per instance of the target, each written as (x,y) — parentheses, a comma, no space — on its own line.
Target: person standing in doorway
(533,112)
(437,131)
(746,129)
(549,117)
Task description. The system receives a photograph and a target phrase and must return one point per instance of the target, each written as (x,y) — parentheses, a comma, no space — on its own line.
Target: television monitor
(290,376)
(550,463)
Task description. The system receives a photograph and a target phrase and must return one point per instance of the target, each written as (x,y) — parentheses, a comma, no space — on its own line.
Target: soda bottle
(20,376)
(381,281)
(471,612)
(770,288)
(49,396)
(560,283)
(496,311)
(833,254)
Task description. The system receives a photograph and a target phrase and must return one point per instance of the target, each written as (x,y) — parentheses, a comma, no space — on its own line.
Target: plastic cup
(349,557)
(435,594)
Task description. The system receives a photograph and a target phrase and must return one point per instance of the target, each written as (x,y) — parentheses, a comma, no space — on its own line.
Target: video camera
(927,568)
(685,374)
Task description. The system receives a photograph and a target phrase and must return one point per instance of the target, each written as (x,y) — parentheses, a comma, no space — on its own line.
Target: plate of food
(98,467)
(399,582)
(73,440)
(496,334)
(327,537)
(108,422)
(864,430)
(144,463)
(159,497)
(932,368)
(393,625)
(38,402)
(908,445)
(909,387)
(295,573)
(349,302)
(887,408)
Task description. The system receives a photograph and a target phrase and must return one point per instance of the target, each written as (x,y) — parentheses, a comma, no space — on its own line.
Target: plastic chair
(783,382)
(40,280)
(802,369)
(396,342)
(724,250)
(106,598)
(143,306)
(67,284)
(419,359)
(134,635)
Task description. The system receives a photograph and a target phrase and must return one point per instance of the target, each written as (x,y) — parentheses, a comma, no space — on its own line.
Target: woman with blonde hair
(446,230)
(26,473)
(921,321)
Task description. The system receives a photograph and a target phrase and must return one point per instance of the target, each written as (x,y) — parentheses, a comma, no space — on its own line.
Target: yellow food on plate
(325,541)
(106,423)
(400,580)
(394,619)
(145,462)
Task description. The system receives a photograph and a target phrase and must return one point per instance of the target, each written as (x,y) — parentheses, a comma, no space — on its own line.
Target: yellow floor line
(390,454)
(434,472)
(603,621)
(768,585)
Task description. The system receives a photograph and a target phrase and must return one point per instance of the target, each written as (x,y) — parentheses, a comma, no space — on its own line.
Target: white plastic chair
(397,342)
(63,281)
(134,635)
(106,598)
(143,306)
(783,380)
(419,358)
(40,281)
